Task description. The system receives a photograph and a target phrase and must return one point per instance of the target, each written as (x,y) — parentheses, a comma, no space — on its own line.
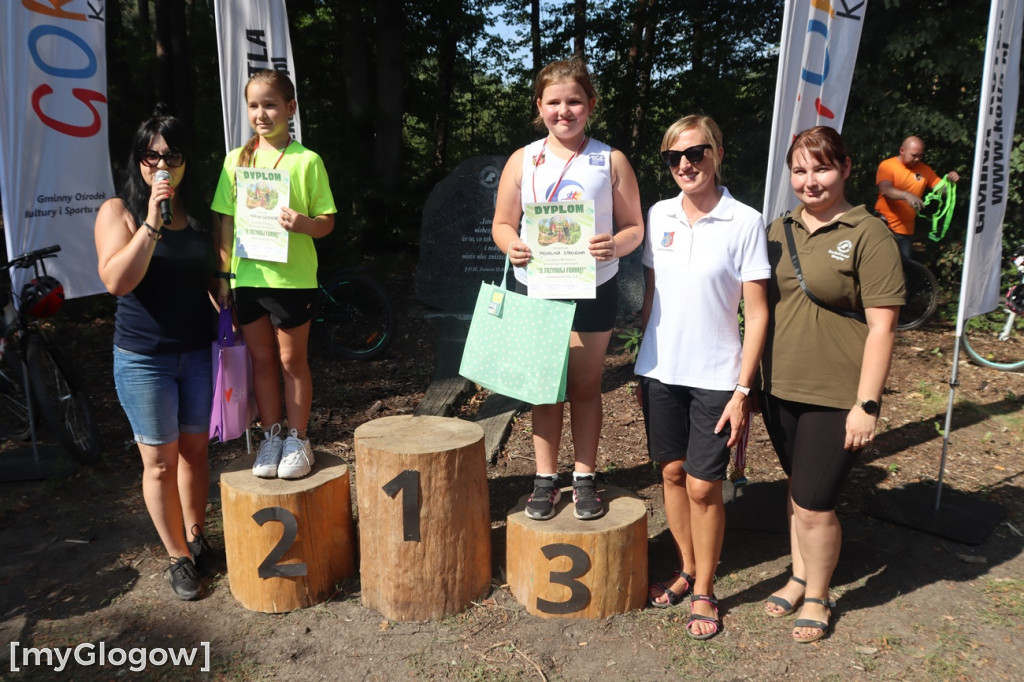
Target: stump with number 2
(287,542)
(424,519)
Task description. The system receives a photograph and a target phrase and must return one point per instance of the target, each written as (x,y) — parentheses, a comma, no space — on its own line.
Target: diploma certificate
(260,193)
(558,234)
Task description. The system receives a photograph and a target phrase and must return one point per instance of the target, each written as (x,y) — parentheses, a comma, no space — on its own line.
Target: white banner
(54,159)
(997,110)
(252,35)
(817,54)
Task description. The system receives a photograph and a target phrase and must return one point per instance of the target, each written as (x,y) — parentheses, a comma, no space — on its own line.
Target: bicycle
(354,315)
(55,389)
(996,339)
(922,296)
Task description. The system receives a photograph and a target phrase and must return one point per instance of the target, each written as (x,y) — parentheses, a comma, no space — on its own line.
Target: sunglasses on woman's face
(152,158)
(694,154)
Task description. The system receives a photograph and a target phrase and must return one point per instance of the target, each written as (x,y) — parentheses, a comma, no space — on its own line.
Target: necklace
(281,156)
(554,189)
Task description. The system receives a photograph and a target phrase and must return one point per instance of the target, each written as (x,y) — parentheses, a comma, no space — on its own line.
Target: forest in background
(395,94)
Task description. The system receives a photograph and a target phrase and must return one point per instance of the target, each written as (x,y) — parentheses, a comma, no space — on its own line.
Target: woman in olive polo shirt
(828,352)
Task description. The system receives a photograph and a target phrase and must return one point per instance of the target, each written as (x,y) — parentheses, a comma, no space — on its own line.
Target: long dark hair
(135,192)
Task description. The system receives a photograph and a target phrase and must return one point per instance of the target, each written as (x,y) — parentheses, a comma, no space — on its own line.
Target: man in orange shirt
(902,180)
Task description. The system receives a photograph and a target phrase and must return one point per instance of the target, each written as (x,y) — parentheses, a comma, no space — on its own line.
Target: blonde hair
(574,70)
(283,85)
(709,132)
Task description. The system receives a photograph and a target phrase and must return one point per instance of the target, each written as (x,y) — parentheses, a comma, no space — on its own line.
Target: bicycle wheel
(996,340)
(356,317)
(922,296)
(62,402)
(13,404)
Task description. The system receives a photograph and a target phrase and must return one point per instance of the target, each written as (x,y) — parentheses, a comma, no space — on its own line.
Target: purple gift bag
(234,405)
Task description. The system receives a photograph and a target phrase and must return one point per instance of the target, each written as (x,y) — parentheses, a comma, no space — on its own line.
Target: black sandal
(674,598)
(821,625)
(779,601)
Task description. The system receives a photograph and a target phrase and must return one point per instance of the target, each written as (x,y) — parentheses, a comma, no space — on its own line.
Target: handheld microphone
(165,204)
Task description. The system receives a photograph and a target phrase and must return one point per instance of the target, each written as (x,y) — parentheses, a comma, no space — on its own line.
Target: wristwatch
(745,390)
(869,406)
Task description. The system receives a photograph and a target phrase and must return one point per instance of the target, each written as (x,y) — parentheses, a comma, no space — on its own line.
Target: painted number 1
(408,483)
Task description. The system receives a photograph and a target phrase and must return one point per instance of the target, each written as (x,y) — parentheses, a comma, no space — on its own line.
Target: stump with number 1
(424,519)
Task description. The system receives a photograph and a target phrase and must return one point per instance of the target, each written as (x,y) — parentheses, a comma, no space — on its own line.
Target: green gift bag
(518,346)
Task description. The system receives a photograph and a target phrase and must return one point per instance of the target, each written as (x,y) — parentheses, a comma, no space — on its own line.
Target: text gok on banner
(816,59)
(54,159)
(997,110)
(252,35)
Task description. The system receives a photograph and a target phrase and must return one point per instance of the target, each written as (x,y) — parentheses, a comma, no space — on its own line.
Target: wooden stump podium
(287,542)
(568,568)
(424,521)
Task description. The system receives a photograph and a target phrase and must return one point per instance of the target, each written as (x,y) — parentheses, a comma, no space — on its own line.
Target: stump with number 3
(424,519)
(567,568)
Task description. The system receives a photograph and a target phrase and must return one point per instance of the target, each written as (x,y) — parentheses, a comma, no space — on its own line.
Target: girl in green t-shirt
(274,298)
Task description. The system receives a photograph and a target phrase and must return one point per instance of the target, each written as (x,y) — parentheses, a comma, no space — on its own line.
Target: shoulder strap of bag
(787,223)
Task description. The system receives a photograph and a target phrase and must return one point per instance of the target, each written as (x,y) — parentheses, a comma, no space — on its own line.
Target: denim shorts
(164,394)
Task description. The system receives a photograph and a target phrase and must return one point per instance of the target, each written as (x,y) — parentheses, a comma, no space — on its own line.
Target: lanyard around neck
(540,159)
(281,156)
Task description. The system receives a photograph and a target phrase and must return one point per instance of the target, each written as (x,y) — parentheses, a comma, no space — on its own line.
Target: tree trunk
(142,7)
(388,142)
(174,74)
(447,54)
(643,76)
(579,39)
(535,34)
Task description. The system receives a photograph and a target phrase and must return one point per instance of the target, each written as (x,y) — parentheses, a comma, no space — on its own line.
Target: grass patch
(1004,598)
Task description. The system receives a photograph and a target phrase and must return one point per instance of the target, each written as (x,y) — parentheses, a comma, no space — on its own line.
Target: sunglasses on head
(694,154)
(152,158)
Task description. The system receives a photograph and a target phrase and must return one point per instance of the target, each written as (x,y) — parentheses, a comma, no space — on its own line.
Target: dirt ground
(81,563)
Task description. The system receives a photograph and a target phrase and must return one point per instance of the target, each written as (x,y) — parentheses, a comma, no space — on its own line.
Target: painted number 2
(579,594)
(408,483)
(270,568)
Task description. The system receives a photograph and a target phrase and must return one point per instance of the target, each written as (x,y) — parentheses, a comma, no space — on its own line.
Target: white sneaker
(297,457)
(268,457)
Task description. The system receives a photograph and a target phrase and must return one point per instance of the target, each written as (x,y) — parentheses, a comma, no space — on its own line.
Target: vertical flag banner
(252,35)
(816,59)
(997,110)
(54,159)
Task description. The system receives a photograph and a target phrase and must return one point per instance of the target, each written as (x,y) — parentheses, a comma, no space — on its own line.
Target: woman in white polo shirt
(704,253)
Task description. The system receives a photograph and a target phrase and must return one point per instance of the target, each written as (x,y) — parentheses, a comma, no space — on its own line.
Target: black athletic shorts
(809,440)
(288,308)
(680,423)
(592,314)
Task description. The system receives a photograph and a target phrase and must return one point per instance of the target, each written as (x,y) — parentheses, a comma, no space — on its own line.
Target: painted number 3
(579,594)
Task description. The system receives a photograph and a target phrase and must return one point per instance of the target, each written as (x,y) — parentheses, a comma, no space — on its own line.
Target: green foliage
(394,94)
(631,339)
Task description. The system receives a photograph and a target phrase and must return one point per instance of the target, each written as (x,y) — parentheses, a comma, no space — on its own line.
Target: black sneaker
(202,553)
(541,505)
(587,503)
(184,579)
